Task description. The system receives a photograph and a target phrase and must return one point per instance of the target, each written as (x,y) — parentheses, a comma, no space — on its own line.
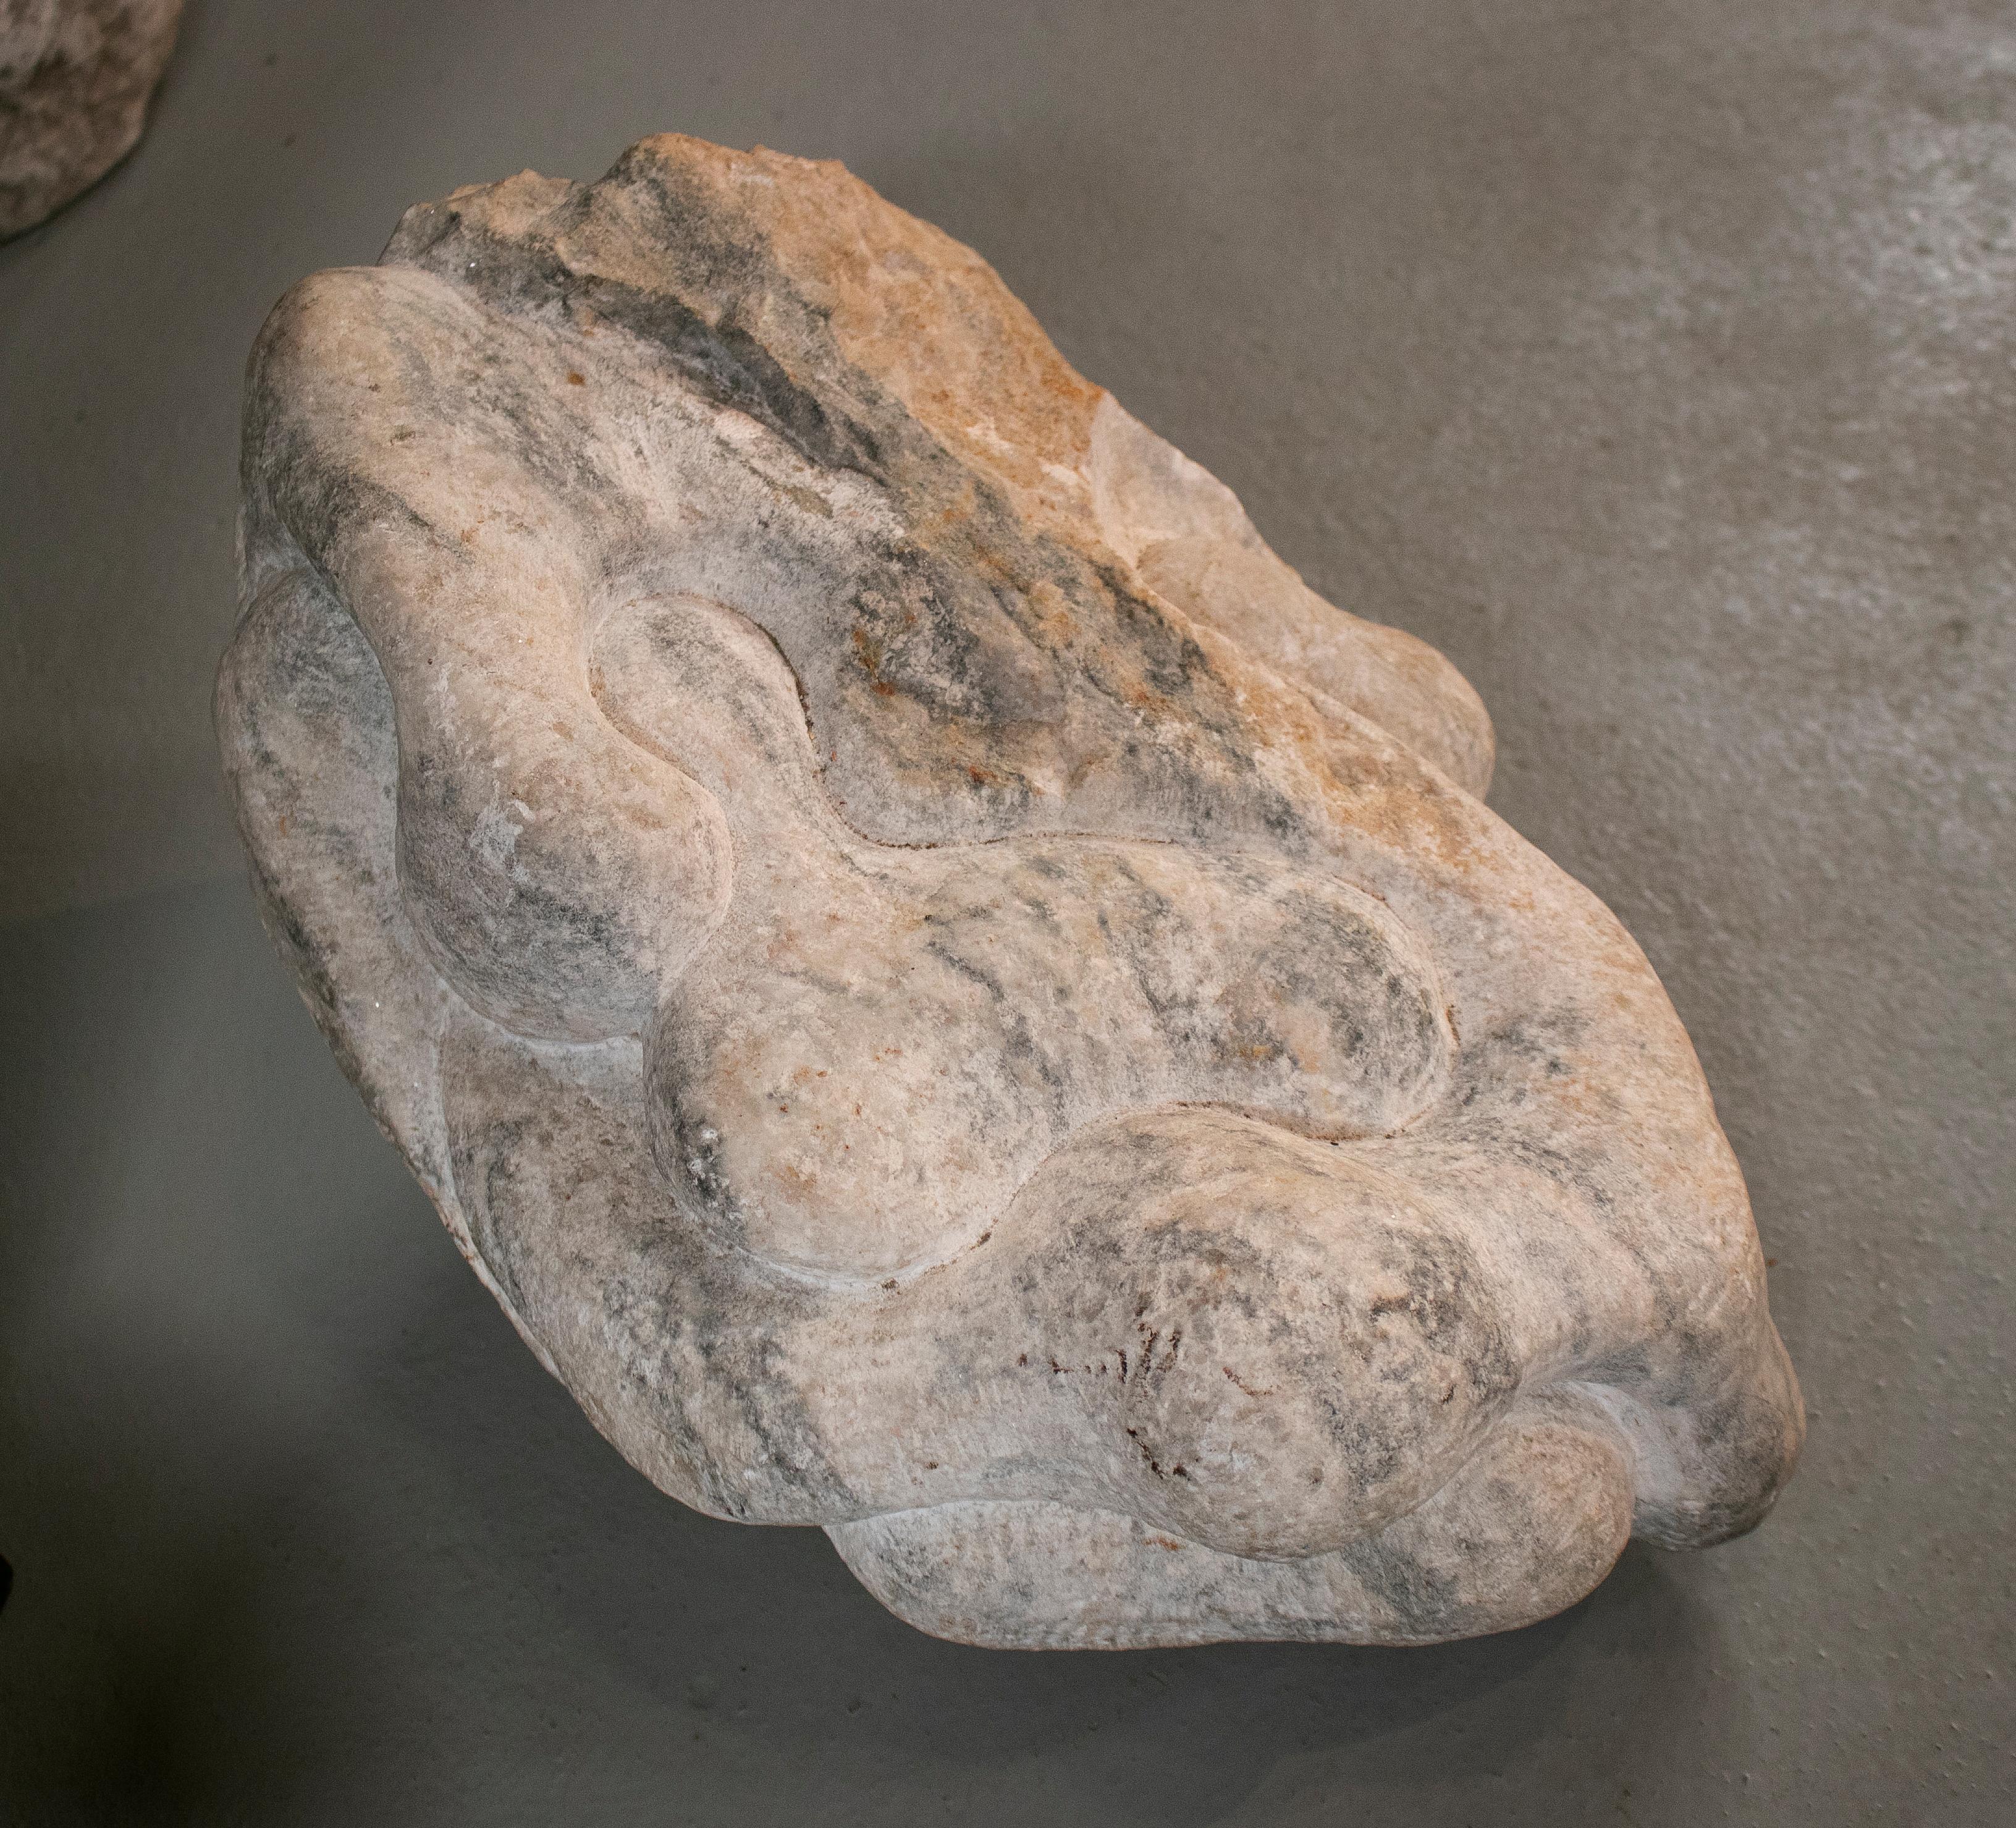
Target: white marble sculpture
(949,996)
(75,79)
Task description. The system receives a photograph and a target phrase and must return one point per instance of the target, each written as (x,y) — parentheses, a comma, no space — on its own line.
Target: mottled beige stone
(947,994)
(75,79)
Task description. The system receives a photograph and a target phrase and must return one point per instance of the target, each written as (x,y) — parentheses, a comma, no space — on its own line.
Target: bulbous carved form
(949,996)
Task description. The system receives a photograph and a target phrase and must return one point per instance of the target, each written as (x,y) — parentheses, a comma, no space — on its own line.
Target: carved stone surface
(75,78)
(947,994)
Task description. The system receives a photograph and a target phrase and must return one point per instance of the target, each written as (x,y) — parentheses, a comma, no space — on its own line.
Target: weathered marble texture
(75,79)
(947,994)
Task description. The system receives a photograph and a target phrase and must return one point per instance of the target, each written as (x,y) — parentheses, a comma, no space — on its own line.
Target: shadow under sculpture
(949,997)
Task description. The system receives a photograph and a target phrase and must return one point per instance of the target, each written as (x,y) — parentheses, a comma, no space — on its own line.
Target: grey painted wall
(1657,361)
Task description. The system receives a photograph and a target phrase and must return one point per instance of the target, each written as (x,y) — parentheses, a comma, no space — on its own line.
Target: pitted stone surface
(949,997)
(75,79)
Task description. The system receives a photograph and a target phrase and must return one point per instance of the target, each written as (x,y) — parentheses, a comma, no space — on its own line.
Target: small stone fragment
(75,79)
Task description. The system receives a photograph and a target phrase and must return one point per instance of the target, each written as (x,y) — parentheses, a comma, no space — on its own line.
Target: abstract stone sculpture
(75,78)
(947,994)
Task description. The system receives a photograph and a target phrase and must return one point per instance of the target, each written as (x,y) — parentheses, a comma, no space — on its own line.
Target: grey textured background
(1657,361)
